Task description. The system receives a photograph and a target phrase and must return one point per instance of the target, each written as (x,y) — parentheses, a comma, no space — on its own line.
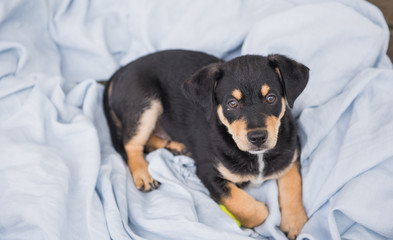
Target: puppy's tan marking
(273,125)
(238,130)
(265,89)
(222,118)
(134,147)
(234,177)
(237,94)
(245,208)
(293,215)
(155,142)
(176,147)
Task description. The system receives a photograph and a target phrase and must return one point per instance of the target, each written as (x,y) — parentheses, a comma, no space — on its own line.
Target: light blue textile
(60,178)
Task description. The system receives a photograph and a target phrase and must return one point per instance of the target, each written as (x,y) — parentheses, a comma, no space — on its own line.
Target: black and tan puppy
(232,116)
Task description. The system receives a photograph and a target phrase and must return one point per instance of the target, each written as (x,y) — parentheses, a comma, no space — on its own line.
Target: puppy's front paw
(144,181)
(246,209)
(292,222)
(257,216)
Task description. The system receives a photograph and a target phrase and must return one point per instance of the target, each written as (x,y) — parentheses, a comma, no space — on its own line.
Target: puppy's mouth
(257,151)
(253,149)
(247,146)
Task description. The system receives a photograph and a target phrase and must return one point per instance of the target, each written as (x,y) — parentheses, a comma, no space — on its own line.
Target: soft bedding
(60,178)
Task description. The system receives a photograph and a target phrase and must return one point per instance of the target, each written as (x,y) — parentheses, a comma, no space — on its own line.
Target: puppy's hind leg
(156,142)
(135,144)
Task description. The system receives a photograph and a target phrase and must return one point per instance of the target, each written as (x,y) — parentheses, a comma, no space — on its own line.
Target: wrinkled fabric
(60,177)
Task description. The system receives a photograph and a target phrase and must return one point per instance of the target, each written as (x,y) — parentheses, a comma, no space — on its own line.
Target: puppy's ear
(199,88)
(293,75)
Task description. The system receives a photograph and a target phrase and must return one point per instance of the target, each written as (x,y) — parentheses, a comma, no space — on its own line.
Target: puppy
(233,117)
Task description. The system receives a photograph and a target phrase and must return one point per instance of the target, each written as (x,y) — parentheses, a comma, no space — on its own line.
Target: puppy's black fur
(232,116)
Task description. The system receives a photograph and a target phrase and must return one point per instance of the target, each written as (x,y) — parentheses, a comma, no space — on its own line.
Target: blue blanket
(60,177)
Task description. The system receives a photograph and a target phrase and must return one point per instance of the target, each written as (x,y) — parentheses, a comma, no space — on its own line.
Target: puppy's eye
(233,103)
(271,98)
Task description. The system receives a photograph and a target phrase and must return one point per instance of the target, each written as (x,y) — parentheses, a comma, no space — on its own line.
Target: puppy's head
(249,96)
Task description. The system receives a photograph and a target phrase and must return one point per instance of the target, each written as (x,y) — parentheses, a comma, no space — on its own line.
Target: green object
(230,214)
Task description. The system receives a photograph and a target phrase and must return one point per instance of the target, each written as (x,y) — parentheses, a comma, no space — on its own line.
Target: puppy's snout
(257,138)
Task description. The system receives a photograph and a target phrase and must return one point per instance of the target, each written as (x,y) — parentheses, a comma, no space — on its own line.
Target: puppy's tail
(116,138)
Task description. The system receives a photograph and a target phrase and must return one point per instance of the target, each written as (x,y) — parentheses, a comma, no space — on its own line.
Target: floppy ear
(199,88)
(293,75)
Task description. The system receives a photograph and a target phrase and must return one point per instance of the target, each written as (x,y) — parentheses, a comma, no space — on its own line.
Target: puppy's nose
(257,137)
